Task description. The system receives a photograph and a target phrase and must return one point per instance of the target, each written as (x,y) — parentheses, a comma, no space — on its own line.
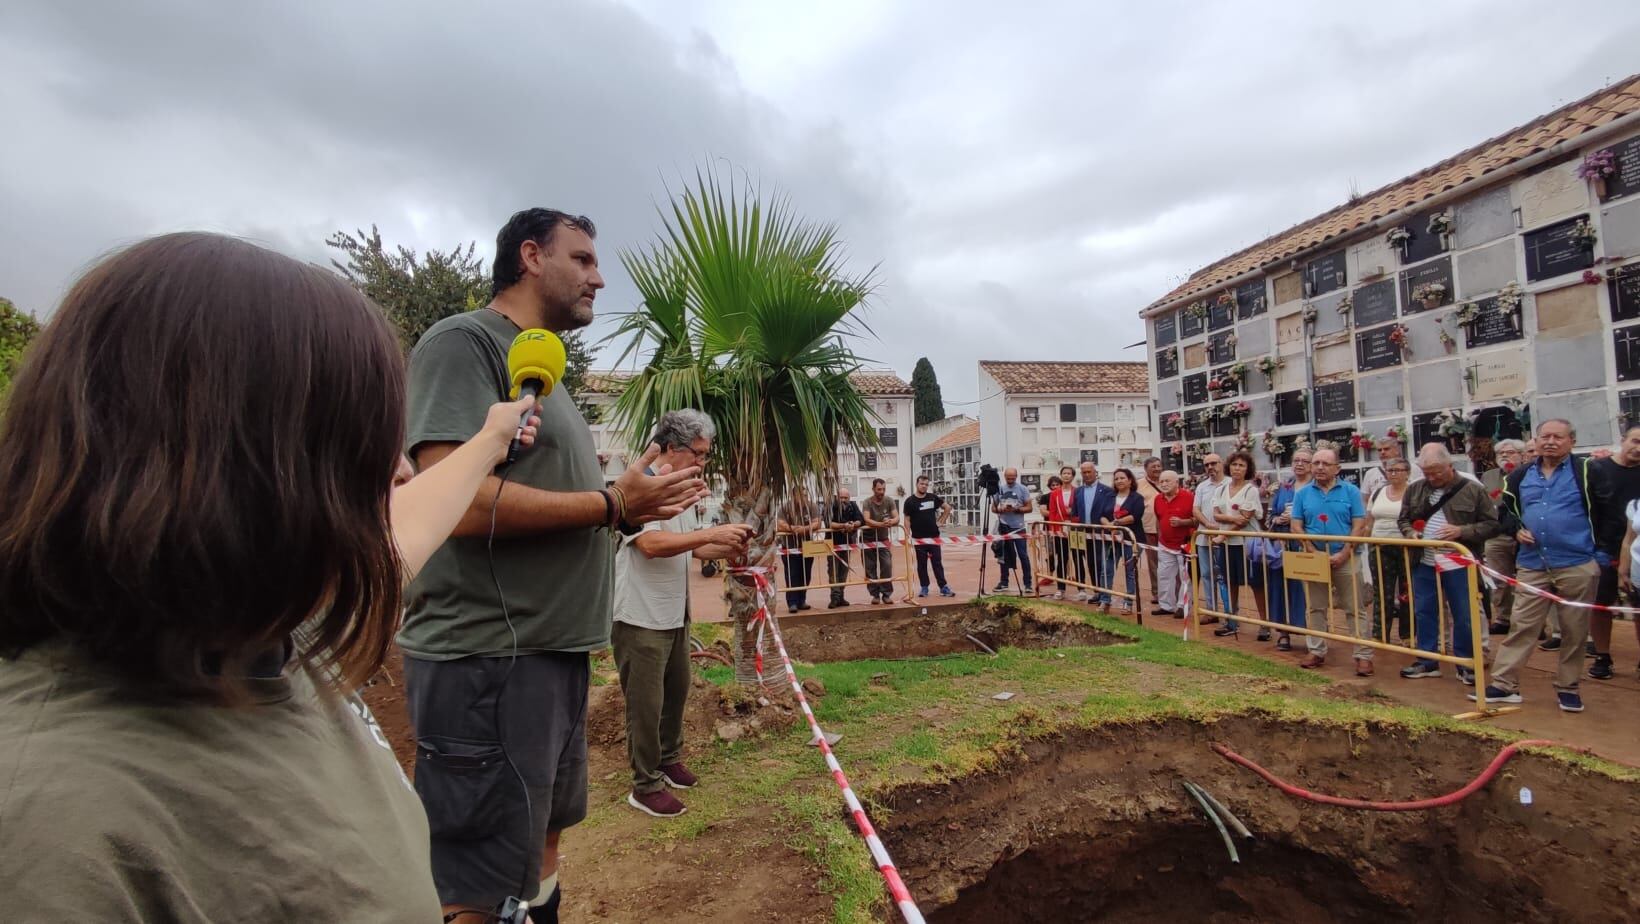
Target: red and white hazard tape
(1464,561)
(879,853)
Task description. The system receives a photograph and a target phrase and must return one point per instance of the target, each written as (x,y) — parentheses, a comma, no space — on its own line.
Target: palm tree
(747,314)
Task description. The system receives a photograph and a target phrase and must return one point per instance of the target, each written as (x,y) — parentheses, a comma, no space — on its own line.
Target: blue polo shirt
(1020,495)
(1328,513)
(1552,508)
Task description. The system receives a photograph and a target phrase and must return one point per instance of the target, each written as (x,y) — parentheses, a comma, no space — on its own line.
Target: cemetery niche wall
(1459,318)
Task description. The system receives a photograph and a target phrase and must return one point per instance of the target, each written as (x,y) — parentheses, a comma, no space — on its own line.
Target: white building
(889,398)
(950,464)
(1461,303)
(1037,416)
(600,393)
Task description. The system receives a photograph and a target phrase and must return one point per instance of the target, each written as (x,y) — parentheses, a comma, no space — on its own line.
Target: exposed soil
(1098,826)
(922,632)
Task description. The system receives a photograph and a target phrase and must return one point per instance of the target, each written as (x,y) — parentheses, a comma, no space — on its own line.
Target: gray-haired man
(651,632)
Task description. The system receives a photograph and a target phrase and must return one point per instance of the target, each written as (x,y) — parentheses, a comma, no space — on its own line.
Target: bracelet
(620,506)
(609,505)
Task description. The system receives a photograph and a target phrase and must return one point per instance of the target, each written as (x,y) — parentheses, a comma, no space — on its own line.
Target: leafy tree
(748,312)
(417,292)
(17,329)
(926,388)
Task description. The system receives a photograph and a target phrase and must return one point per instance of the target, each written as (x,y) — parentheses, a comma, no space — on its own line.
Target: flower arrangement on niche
(1227,297)
(1237,373)
(1452,423)
(1584,235)
(1441,223)
(1200,448)
(1273,446)
(1593,277)
(1448,342)
(1204,417)
(1397,433)
(1597,168)
(1175,422)
(1244,442)
(1269,364)
(1398,335)
(1510,298)
(1467,313)
(1238,410)
(1397,236)
(1430,293)
(1196,310)
(1362,442)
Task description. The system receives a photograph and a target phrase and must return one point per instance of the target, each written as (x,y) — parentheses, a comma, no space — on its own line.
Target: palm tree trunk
(752,507)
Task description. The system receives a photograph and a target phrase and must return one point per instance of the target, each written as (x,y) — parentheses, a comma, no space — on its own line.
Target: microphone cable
(500,693)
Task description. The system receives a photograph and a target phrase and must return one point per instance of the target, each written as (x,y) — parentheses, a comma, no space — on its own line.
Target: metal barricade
(838,553)
(1091,557)
(1368,589)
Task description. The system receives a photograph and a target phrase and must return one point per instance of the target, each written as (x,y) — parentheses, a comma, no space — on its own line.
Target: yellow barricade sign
(1307,566)
(1079,540)
(817,548)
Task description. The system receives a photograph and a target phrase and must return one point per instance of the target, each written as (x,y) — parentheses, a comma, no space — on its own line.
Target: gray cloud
(1025,182)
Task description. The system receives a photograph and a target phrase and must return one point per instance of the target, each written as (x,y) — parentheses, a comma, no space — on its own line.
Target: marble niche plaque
(1492,325)
(1623,288)
(1325,273)
(1550,194)
(1498,375)
(1289,287)
(1327,318)
(1627,343)
(1346,452)
(1569,311)
(1290,409)
(1425,430)
(1167,363)
(1190,326)
(1167,329)
(1484,218)
(1552,252)
(1570,364)
(1290,329)
(1334,402)
(1422,245)
(1627,180)
(1487,269)
(1221,348)
(1195,388)
(1620,229)
(1375,303)
(1374,350)
(1219,314)
(1251,300)
(1253,339)
(1334,360)
(1435,272)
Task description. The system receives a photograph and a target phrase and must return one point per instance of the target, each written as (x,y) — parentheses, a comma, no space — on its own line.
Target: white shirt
(1634,550)
(1245,501)
(1206,495)
(653,593)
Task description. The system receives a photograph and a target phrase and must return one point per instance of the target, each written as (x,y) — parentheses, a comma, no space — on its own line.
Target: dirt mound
(1098,826)
(729,713)
(934,631)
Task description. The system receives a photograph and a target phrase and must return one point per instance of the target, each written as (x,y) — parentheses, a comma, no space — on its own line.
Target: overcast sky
(1026,176)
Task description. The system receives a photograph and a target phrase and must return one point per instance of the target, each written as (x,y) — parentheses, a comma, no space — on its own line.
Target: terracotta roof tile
(1042,378)
(961,436)
(880,382)
(1565,123)
(605,382)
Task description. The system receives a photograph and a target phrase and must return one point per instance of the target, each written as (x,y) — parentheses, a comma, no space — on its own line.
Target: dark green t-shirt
(115,807)
(557,584)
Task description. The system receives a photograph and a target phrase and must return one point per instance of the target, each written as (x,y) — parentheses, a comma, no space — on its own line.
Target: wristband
(609,506)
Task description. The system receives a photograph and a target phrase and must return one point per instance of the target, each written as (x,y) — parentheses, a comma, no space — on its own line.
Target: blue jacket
(1562,516)
(1102,505)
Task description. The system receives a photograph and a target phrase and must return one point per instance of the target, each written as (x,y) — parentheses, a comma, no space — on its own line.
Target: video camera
(988,480)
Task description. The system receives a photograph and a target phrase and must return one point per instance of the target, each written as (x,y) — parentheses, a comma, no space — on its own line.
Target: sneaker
(1497,695)
(1001,586)
(660,803)
(1588,649)
(1466,676)
(1312,662)
(947,592)
(922,592)
(1222,631)
(1498,628)
(1284,643)
(678,776)
(1264,635)
(1570,702)
(1420,669)
(1601,669)
(1552,643)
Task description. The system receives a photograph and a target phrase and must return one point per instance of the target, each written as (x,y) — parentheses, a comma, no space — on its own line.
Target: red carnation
(1418,525)
(1497,493)
(1322,518)
(1236,507)
(1508,466)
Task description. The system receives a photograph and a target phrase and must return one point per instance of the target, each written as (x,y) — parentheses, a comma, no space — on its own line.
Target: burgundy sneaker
(659,803)
(678,776)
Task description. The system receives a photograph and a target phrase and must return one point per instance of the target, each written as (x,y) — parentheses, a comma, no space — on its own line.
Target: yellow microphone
(535,364)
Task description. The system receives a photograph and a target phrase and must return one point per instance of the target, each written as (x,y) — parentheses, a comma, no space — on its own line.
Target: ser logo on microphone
(535,365)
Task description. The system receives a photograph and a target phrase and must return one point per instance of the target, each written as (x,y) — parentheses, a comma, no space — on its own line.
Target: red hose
(713,655)
(1418,805)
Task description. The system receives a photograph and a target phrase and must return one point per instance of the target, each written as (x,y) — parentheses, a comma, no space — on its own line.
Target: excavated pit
(1097,826)
(929,631)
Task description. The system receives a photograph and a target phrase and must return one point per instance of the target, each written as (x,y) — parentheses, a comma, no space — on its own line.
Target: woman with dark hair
(1129,514)
(201,558)
(1060,509)
(1236,507)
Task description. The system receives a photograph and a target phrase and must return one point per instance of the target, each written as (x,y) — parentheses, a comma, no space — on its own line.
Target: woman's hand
(501,425)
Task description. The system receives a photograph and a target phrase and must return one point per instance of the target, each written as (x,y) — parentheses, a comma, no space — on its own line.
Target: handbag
(1265,553)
